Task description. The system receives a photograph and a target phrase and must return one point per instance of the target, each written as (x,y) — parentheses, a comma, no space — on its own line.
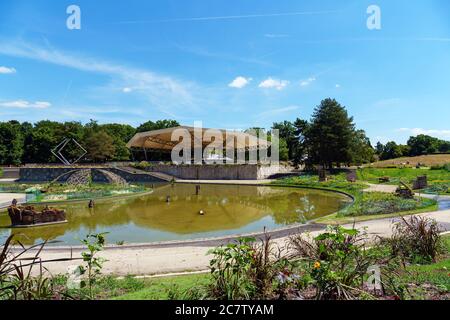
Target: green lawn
(437,274)
(439,177)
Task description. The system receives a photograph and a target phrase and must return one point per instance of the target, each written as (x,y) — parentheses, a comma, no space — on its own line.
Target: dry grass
(428,160)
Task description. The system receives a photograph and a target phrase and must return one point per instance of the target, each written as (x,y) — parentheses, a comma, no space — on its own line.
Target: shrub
(416,239)
(142,165)
(249,270)
(230,269)
(337,261)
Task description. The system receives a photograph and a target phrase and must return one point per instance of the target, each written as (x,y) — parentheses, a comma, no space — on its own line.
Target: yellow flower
(317,265)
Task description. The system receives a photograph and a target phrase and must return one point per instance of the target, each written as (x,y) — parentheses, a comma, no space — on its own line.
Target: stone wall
(217,172)
(50,174)
(188,172)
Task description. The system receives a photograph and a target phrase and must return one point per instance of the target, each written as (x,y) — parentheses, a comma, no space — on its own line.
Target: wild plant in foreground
(17,281)
(416,239)
(337,260)
(94,264)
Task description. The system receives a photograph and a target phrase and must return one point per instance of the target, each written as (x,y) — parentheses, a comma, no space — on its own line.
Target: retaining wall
(217,172)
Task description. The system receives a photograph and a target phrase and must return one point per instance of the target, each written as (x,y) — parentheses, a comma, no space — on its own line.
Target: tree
(100,146)
(362,151)
(160,124)
(444,146)
(391,151)
(11,143)
(423,144)
(287,133)
(330,135)
(379,148)
(121,134)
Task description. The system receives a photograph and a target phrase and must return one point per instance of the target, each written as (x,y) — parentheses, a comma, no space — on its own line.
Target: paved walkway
(7,198)
(151,260)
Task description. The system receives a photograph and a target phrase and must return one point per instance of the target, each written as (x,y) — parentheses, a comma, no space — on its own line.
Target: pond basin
(172,212)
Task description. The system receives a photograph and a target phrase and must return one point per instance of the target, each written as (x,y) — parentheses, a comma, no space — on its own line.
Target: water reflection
(228,210)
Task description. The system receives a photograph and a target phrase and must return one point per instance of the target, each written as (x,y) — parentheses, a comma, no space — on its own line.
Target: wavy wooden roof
(162,139)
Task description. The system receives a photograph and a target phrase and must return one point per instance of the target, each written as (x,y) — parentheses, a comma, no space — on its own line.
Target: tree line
(32,143)
(330,138)
(416,146)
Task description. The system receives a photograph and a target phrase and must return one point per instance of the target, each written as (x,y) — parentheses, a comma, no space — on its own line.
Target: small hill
(427,160)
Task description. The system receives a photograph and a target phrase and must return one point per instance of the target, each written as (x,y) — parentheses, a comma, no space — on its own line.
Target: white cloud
(6,70)
(240,82)
(127,90)
(444,134)
(307,82)
(274,83)
(163,92)
(23,104)
(338,86)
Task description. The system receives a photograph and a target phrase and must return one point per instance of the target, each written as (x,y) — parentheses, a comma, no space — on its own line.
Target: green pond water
(228,210)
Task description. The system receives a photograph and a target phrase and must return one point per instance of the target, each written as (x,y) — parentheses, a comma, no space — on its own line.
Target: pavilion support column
(145,154)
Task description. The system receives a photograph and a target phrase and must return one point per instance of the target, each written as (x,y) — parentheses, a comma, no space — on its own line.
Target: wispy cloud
(444,134)
(7,70)
(270,83)
(234,17)
(162,91)
(240,82)
(23,104)
(276,111)
(307,82)
(388,103)
(199,51)
(275,35)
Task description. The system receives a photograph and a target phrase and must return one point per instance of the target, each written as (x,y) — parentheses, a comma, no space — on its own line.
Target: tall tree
(100,146)
(330,135)
(11,143)
(362,150)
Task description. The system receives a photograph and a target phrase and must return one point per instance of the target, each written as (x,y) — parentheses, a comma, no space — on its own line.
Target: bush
(417,240)
(445,167)
(337,260)
(251,270)
(143,165)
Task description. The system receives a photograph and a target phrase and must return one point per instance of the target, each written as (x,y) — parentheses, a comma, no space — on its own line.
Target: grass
(428,160)
(407,175)
(337,218)
(131,288)
(436,274)
(374,203)
(336,182)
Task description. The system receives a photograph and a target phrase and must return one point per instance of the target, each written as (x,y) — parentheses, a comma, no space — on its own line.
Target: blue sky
(231,64)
